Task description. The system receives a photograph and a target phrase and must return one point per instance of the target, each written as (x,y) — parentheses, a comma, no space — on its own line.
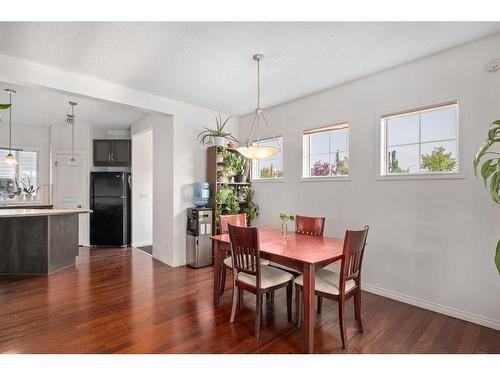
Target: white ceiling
(209,64)
(42,107)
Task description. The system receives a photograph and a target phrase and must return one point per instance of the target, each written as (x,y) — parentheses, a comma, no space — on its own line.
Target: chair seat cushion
(229,262)
(327,282)
(274,264)
(270,276)
(334,267)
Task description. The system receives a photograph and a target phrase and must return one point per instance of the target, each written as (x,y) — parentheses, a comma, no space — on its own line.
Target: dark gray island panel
(38,242)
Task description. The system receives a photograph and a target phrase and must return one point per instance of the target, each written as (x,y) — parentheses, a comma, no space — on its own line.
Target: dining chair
(239,220)
(250,275)
(312,226)
(340,286)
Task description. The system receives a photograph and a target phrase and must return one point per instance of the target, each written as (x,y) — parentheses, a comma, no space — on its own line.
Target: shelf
(234,183)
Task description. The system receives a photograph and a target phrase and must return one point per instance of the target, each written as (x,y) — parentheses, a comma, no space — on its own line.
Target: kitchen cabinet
(112,152)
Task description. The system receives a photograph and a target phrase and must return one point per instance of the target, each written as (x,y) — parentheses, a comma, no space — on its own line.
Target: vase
(284,230)
(219,141)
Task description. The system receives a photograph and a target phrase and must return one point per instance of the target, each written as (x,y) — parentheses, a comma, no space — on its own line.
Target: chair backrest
(313,226)
(352,258)
(245,250)
(239,220)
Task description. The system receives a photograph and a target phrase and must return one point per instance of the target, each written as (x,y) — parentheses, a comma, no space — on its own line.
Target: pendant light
(70,120)
(10,159)
(253,150)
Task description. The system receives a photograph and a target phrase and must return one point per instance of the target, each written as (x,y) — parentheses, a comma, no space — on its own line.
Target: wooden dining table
(301,252)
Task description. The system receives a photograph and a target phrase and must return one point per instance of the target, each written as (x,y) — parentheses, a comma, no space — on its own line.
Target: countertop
(25,212)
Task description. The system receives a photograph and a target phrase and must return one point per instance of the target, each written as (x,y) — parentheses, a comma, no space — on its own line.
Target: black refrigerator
(110,205)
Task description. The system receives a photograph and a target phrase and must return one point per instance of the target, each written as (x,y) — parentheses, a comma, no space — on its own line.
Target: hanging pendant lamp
(253,150)
(70,120)
(10,159)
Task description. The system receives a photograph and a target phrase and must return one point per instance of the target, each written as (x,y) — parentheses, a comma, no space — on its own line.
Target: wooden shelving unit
(212,168)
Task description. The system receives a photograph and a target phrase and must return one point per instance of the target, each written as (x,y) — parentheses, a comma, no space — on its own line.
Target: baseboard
(464,315)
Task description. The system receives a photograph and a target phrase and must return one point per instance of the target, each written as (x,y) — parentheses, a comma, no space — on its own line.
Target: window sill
(437,176)
(326,179)
(264,180)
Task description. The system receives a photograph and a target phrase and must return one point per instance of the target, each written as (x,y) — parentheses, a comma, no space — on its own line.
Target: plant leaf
(487,169)
(4,106)
(486,145)
(497,257)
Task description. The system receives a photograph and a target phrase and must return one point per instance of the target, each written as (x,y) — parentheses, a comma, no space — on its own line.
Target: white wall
(142,192)
(431,242)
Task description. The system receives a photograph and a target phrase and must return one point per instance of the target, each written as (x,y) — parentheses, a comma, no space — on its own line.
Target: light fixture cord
(72,131)
(10,122)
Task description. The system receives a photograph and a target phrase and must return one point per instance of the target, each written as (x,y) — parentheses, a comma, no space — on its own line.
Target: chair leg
(258,314)
(235,303)
(289,291)
(357,309)
(298,305)
(320,304)
(223,279)
(341,323)
(240,298)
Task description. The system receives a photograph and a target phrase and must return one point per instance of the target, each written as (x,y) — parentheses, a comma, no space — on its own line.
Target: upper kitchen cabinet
(112,152)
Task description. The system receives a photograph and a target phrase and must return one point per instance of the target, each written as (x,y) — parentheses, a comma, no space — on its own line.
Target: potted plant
(216,136)
(240,168)
(27,188)
(252,211)
(284,220)
(490,170)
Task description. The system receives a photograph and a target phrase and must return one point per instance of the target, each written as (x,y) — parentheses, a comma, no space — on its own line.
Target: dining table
(301,252)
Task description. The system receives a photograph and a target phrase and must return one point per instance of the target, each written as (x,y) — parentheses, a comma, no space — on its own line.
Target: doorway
(71,187)
(142,190)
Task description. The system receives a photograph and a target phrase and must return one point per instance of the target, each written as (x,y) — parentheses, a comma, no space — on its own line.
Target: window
(271,168)
(26,171)
(326,152)
(421,141)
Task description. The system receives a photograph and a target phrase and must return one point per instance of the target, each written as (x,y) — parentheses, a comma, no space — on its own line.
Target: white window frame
(382,142)
(280,139)
(305,162)
(16,150)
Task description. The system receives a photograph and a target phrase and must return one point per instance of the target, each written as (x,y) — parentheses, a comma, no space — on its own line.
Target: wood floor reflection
(123,301)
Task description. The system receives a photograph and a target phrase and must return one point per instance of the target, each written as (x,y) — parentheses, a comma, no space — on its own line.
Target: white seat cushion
(333,267)
(274,264)
(229,262)
(327,282)
(269,276)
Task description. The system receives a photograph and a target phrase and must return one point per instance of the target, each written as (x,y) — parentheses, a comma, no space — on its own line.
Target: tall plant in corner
(490,170)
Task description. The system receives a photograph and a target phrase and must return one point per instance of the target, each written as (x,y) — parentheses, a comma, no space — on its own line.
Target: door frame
(86,189)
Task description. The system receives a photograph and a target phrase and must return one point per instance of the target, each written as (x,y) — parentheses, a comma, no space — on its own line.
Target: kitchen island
(38,241)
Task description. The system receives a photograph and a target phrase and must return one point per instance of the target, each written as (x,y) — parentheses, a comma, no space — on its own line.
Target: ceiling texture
(41,107)
(210,64)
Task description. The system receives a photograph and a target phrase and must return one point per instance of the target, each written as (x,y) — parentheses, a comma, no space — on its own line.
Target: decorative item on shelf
(26,188)
(284,220)
(253,150)
(217,136)
(70,120)
(241,168)
(490,171)
(10,159)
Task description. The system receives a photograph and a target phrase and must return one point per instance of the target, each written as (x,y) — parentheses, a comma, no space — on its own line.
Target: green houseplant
(490,170)
(216,136)
(240,167)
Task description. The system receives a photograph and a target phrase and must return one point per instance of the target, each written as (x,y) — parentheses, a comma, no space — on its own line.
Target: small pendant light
(70,120)
(10,159)
(257,151)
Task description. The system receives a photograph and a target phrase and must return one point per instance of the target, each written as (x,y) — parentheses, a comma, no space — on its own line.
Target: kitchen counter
(26,212)
(36,241)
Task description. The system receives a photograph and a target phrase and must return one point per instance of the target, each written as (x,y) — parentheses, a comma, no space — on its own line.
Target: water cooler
(198,232)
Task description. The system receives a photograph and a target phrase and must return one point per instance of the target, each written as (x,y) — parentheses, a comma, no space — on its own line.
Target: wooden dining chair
(239,220)
(312,226)
(250,275)
(340,286)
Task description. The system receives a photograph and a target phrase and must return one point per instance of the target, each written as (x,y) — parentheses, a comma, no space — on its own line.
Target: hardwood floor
(123,301)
